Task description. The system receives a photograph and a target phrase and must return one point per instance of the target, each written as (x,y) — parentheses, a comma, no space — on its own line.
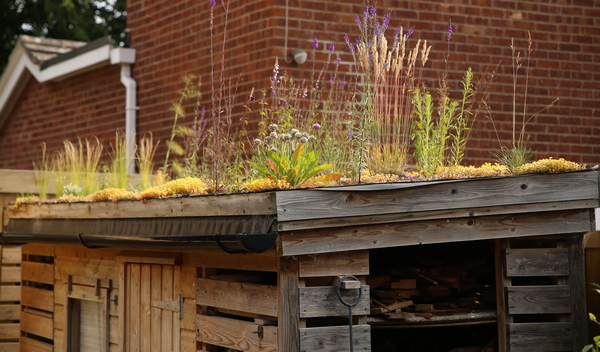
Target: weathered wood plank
(12,347)
(31,345)
(10,254)
(288,319)
(333,264)
(10,293)
(18,181)
(37,298)
(10,274)
(535,337)
(244,297)
(37,272)
(34,249)
(427,196)
(323,302)
(216,259)
(156,313)
(149,257)
(146,285)
(188,340)
(537,262)
(335,338)
(87,267)
(576,282)
(9,331)
(168,316)
(433,231)
(236,334)
(10,312)
(133,331)
(226,205)
(542,299)
(450,213)
(37,325)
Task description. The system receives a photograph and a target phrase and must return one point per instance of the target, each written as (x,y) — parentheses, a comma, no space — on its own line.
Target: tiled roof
(40,50)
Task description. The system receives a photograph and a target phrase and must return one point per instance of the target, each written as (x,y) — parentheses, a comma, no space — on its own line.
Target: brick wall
(86,106)
(172,39)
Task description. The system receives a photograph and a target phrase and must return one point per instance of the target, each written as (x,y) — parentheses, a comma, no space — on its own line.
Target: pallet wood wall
(10,279)
(37,300)
(541,303)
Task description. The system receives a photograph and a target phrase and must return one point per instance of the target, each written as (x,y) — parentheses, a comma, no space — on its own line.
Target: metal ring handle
(339,292)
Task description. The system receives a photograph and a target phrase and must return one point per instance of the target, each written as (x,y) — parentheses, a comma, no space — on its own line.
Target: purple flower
(202,111)
(331,47)
(386,20)
(346,38)
(316,126)
(410,31)
(213,3)
(449,31)
(338,60)
(342,84)
(331,80)
(316,43)
(372,11)
(357,20)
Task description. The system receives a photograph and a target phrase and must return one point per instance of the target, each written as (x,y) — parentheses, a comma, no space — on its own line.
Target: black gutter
(239,234)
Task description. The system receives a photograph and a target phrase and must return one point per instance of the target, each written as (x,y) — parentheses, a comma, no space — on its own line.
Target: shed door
(148,327)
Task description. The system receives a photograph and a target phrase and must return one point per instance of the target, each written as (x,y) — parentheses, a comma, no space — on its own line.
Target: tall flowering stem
(388,75)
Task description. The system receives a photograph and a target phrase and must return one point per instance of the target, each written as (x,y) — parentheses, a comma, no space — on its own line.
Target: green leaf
(297,154)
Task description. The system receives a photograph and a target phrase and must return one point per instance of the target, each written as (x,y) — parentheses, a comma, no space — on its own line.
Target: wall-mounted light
(299,56)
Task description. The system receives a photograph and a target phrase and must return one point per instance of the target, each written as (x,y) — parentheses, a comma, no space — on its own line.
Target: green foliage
(440,135)
(118,166)
(296,169)
(43,171)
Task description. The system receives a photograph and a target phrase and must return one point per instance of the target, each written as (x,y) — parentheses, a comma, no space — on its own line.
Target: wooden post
(577,282)
(288,316)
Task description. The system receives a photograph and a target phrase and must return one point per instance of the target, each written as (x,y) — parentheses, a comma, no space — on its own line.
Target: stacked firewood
(431,290)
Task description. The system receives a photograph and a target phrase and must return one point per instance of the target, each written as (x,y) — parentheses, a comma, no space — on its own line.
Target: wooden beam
(434,231)
(149,257)
(435,195)
(220,205)
(576,281)
(289,309)
(450,213)
(332,264)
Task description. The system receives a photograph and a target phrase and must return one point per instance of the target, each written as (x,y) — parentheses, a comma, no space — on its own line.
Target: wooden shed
(266,271)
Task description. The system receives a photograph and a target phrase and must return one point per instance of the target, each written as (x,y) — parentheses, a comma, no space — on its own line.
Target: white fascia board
(122,56)
(78,64)
(14,76)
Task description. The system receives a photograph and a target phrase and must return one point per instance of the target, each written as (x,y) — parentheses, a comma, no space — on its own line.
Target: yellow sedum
(549,166)
(264,184)
(188,185)
(112,194)
(485,170)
